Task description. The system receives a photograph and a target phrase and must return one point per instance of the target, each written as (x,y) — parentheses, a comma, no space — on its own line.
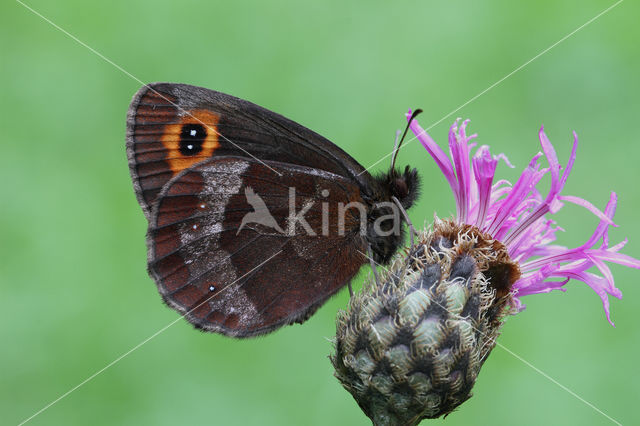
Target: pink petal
(516,215)
(587,205)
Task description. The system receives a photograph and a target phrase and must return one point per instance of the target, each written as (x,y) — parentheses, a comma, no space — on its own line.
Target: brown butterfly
(254,220)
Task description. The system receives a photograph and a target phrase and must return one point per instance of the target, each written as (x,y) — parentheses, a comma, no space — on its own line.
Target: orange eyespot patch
(192,139)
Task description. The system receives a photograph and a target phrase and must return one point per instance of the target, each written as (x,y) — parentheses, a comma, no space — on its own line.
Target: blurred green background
(75,294)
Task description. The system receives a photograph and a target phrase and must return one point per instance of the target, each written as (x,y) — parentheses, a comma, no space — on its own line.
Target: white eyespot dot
(193,132)
(190,146)
(202,206)
(211,288)
(195,227)
(325,193)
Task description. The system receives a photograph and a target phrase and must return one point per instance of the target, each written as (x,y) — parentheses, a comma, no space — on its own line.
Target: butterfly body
(254,220)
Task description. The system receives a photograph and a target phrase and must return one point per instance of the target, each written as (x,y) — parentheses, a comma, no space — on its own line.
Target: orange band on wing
(173,137)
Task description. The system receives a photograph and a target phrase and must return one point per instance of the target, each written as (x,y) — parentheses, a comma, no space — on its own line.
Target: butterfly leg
(373,266)
(406,218)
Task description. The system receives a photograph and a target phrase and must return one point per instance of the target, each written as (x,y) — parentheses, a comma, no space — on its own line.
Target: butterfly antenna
(396,149)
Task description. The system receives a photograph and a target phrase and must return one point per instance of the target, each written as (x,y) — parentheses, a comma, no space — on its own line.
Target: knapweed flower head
(518,215)
(410,346)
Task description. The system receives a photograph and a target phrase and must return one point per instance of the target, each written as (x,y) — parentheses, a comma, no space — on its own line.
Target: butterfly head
(405,186)
(396,184)
(386,231)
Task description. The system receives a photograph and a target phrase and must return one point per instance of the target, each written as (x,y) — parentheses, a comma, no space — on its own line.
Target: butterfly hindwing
(171,127)
(225,250)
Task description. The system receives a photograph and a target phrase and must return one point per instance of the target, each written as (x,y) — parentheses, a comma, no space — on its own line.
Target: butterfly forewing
(171,127)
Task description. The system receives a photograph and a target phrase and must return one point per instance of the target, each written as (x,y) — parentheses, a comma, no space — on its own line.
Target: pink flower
(517,215)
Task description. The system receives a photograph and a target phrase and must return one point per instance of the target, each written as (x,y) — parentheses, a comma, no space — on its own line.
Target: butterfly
(254,220)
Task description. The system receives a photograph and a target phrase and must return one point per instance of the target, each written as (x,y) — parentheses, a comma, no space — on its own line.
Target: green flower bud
(410,346)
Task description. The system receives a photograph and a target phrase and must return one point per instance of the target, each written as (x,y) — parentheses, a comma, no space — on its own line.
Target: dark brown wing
(171,127)
(230,266)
